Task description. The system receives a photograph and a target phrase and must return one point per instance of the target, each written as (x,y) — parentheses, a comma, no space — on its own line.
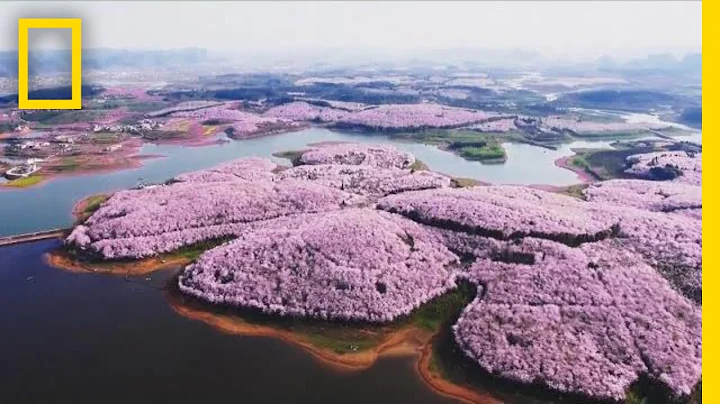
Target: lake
(49,205)
(89,338)
(113,339)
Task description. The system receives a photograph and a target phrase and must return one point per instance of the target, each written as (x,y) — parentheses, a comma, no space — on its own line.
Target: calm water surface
(85,338)
(50,205)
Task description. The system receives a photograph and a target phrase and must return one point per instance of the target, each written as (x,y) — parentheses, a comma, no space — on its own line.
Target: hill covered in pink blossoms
(143,223)
(655,166)
(382,117)
(357,154)
(590,319)
(303,111)
(504,212)
(670,242)
(367,179)
(249,168)
(657,196)
(580,126)
(243,124)
(414,116)
(354,264)
(581,296)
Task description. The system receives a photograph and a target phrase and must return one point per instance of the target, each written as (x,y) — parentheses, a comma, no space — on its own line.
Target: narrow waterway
(49,205)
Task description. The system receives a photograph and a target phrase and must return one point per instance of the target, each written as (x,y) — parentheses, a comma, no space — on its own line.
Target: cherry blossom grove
(582,126)
(302,111)
(580,296)
(389,116)
(671,243)
(689,164)
(249,168)
(586,320)
(367,179)
(142,223)
(659,196)
(504,212)
(221,113)
(414,116)
(304,265)
(495,125)
(184,106)
(357,154)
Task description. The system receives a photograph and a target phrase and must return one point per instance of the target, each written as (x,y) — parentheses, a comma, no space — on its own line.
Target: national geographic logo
(75,26)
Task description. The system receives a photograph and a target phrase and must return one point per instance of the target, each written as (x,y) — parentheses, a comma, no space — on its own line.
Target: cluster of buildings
(141,127)
(63,143)
(31,145)
(112,148)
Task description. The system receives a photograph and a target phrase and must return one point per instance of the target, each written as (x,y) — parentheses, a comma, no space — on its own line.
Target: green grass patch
(25,182)
(470,145)
(343,341)
(576,191)
(292,155)
(444,309)
(192,252)
(486,153)
(105,138)
(460,182)
(579,161)
(68,164)
(419,165)
(90,205)
(604,164)
(62,116)
(146,106)
(164,135)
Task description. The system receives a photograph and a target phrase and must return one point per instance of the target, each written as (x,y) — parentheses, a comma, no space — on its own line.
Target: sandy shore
(446,387)
(406,341)
(62,260)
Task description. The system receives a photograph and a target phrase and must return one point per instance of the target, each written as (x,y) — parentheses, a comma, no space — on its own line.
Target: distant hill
(58,61)
(692,117)
(57,93)
(690,63)
(625,100)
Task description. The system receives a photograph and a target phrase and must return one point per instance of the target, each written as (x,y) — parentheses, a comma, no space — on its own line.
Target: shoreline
(583,176)
(136,160)
(94,164)
(60,259)
(406,341)
(445,387)
(132,163)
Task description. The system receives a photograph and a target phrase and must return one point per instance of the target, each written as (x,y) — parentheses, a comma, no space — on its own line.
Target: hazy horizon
(575,30)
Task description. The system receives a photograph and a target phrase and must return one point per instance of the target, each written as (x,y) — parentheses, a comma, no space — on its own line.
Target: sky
(576,29)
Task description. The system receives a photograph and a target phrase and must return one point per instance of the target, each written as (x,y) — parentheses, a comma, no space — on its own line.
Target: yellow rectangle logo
(75,26)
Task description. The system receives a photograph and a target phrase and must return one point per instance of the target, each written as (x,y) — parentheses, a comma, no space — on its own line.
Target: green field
(25,182)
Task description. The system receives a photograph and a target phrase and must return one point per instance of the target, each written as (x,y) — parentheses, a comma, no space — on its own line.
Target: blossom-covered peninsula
(583,296)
